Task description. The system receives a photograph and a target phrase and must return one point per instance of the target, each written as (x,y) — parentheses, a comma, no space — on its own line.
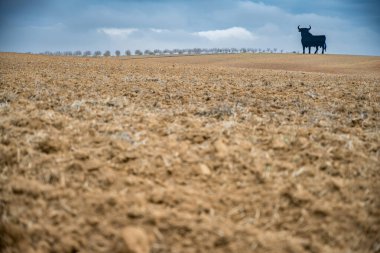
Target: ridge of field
(190,154)
(338,64)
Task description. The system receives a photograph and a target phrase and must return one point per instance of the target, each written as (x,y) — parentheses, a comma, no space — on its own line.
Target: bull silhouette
(309,40)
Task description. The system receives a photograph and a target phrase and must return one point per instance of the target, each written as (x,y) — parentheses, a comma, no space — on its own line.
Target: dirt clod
(135,240)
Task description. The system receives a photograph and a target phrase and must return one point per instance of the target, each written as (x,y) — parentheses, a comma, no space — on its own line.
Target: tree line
(193,51)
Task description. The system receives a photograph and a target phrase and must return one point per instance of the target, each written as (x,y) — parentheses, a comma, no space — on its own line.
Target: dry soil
(240,153)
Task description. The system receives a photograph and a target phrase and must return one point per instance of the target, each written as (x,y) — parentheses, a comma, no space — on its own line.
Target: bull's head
(302,30)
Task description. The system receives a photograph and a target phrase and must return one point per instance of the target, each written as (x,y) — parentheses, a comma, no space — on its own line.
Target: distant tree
(107,53)
(138,52)
(275,50)
(197,50)
(87,53)
(48,53)
(166,51)
(58,53)
(67,53)
(243,50)
(97,53)
(282,50)
(78,53)
(157,51)
(117,53)
(127,52)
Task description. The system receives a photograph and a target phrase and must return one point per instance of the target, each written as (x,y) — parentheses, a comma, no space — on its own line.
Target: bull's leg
(303,47)
(309,49)
(323,49)
(316,51)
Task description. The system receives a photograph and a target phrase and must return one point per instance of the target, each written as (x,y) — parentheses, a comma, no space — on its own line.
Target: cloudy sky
(351,26)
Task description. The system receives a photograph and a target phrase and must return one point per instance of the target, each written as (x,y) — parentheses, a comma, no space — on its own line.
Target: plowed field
(241,153)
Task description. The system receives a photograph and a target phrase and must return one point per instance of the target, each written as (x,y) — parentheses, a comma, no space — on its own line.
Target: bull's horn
(309,27)
(298,27)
